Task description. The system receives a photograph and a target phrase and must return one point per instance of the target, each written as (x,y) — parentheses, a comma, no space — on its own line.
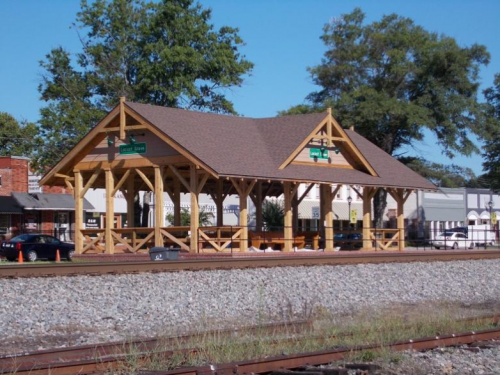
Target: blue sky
(281,36)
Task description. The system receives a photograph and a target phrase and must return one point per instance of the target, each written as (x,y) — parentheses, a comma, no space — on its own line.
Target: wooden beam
(328,218)
(180,177)
(367,217)
(329,128)
(194,208)
(237,186)
(89,183)
(110,212)
(121,182)
(78,213)
(325,137)
(335,191)
(127,127)
(145,179)
(70,187)
(132,163)
(122,118)
(159,217)
(66,177)
(201,184)
(301,198)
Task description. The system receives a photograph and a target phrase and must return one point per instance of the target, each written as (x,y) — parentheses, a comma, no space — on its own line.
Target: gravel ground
(47,312)
(449,361)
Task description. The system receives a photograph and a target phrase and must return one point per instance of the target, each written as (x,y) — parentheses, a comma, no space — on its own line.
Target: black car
(36,246)
(351,241)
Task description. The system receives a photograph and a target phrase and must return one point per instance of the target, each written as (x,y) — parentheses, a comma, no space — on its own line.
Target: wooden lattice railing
(220,238)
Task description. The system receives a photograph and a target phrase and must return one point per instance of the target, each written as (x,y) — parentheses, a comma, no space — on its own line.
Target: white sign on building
(33,186)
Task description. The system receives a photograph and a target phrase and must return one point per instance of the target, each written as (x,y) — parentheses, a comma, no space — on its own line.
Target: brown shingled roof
(246,147)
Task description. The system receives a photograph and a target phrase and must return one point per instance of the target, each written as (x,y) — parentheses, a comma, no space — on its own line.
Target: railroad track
(325,357)
(42,270)
(90,359)
(86,358)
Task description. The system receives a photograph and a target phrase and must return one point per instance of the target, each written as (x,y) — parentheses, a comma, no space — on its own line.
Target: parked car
(36,246)
(452,240)
(351,241)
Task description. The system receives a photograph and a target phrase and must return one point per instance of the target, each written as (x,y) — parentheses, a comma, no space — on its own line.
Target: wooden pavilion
(139,147)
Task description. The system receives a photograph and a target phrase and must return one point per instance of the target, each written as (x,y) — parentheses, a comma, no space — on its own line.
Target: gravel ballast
(36,313)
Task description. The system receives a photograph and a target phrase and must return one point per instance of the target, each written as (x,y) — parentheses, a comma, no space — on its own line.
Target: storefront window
(4,224)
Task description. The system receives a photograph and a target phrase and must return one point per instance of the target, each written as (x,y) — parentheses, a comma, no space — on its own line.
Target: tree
(392,79)
(205,217)
(273,214)
(448,176)
(16,138)
(492,147)
(164,53)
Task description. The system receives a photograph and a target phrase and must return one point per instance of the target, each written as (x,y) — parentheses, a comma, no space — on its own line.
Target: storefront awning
(8,205)
(51,202)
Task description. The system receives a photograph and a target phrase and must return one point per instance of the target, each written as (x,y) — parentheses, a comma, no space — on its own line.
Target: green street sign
(315,153)
(136,148)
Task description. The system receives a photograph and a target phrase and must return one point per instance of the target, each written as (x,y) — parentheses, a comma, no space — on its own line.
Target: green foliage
(449,176)
(273,214)
(16,138)
(205,217)
(392,79)
(492,147)
(164,53)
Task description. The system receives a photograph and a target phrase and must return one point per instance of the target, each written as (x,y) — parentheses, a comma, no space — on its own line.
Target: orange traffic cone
(58,256)
(20,259)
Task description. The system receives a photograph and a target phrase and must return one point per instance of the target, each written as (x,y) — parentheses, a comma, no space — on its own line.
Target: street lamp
(349,201)
(490,205)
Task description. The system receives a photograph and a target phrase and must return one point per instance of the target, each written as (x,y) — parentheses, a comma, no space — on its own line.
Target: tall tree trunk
(379,205)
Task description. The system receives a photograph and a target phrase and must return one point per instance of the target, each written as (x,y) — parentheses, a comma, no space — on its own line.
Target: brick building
(27,207)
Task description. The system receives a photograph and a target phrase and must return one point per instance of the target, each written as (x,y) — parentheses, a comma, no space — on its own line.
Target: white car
(452,240)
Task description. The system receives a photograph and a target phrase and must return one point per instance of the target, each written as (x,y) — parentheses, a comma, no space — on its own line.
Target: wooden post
(288,230)
(258,206)
(219,195)
(177,202)
(367,217)
(401,219)
(400,196)
(159,217)
(130,201)
(328,218)
(110,211)
(193,183)
(122,118)
(78,212)
(243,217)
(295,212)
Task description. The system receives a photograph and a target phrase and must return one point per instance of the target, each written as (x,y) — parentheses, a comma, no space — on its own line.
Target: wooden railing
(220,238)
(385,238)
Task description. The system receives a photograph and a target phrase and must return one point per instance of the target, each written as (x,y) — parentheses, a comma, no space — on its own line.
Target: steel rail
(79,359)
(291,362)
(69,358)
(42,270)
